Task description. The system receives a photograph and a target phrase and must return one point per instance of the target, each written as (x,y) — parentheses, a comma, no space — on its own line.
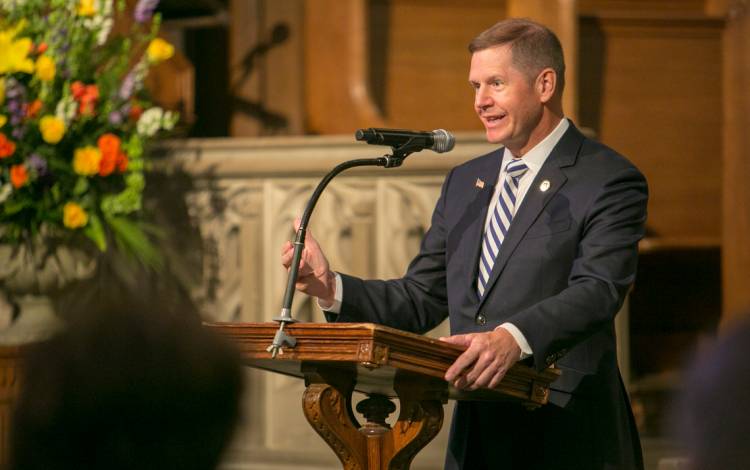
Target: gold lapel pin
(544,186)
(479,184)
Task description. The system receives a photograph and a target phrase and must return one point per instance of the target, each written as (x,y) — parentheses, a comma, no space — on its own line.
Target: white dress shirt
(534,159)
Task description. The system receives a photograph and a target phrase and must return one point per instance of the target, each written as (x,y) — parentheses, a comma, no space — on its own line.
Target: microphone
(439,140)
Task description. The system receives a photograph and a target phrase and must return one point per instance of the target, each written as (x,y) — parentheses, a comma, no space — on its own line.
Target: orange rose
(109,143)
(109,146)
(7,147)
(18,176)
(107,164)
(122,162)
(85,95)
(33,108)
(135,112)
(78,89)
(87,104)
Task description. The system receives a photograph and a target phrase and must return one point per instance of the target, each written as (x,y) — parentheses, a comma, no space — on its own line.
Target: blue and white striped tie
(500,222)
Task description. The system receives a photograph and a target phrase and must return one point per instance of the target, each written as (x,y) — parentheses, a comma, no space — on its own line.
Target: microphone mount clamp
(401,152)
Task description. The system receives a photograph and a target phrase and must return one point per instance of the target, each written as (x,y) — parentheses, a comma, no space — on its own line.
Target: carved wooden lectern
(336,359)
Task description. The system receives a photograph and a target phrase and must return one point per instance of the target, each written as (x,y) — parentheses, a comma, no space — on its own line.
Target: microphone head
(443,141)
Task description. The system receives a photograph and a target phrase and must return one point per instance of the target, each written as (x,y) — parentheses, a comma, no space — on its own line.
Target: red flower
(108,143)
(85,95)
(109,146)
(32,109)
(41,48)
(122,162)
(86,106)
(7,147)
(107,164)
(78,89)
(135,112)
(18,176)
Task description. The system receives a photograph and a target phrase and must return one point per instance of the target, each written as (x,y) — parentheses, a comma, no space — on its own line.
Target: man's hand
(315,277)
(486,360)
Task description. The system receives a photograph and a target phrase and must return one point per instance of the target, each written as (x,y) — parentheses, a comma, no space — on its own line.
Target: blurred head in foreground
(714,416)
(133,383)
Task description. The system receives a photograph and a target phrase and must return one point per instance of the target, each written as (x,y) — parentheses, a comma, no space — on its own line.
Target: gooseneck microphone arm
(282,339)
(403,143)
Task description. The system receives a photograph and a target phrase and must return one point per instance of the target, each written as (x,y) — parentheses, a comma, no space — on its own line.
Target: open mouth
(490,120)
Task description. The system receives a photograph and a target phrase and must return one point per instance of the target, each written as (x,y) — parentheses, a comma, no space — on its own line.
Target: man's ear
(546,84)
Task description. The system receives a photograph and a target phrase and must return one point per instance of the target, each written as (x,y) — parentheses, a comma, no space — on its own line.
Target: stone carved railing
(244,197)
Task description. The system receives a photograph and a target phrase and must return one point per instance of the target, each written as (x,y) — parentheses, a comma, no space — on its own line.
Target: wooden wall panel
(651,88)
(561,16)
(266,67)
(427,62)
(404,63)
(596,7)
(284,86)
(338,96)
(244,34)
(736,204)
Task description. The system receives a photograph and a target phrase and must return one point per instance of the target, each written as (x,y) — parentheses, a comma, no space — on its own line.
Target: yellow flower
(159,50)
(14,52)
(45,68)
(86,8)
(52,129)
(3,119)
(74,216)
(86,160)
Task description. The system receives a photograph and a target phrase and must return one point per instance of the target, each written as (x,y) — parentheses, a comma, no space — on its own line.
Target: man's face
(505,100)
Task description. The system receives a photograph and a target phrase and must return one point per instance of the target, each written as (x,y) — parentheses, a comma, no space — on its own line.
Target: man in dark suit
(530,253)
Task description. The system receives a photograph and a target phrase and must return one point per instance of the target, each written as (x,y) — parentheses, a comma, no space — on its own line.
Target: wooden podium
(336,359)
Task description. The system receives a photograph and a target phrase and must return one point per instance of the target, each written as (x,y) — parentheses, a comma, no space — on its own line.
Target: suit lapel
(564,154)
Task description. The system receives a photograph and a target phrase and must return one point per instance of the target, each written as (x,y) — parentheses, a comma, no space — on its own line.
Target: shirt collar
(536,157)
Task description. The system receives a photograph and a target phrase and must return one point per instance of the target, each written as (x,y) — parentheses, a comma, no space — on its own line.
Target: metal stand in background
(282,339)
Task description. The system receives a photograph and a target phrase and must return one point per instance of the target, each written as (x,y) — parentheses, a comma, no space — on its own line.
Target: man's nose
(482,99)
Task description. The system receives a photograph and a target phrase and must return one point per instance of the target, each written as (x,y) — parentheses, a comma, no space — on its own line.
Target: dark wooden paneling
(736,208)
(426,68)
(651,88)
(596,7)
(338,97)
(675,302)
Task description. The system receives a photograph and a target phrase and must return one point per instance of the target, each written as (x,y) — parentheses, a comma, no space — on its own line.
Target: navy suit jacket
(561,275)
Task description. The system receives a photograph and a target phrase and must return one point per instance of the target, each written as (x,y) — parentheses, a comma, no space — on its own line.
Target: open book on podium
(336,359)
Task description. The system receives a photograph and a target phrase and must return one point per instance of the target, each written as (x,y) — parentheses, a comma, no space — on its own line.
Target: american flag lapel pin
(479,184)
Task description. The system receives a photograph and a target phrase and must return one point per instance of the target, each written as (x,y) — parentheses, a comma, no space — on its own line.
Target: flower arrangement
(74,120)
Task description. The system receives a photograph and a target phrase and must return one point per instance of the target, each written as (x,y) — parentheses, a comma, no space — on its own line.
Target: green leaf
(95,231)
(82,185)
(14,207)
(136,181)
(55,191)
(153,230)
(132,239)
(134,147)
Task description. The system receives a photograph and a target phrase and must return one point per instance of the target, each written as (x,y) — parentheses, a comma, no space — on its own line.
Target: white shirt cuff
(520,339)
(335,307)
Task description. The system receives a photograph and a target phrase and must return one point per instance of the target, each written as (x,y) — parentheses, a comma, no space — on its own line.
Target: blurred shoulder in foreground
(714,413)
